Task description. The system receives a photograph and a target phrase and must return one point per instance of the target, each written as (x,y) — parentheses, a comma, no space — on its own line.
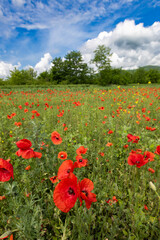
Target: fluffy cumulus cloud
(132,45)
(44,64)
(5,68)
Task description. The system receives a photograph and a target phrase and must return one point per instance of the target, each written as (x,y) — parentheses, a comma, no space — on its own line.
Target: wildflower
(112,201)
(151,170)
(80,162)
(27,194)
(158,150)
(55,137)
(125,146)
(26,154)
(24,144)
(2,197)
(137,159)
(149,156)
(25,151)
(110,132)
(109,144)
(101,108)
(54,179)
(6,170)
(101,153)
(28,167)
(65,169)
(66,194)
(81,150)
(85,188)
(62,155)
(145,207)
(133,139)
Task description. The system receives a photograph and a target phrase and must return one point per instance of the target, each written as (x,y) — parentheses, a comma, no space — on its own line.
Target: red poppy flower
(37,155)
(65,169)
(65,194)
(149,156)
(81,150)
(137,159)
(110,132)
(26,154)
(80,162)
(133,139)
(101,108)
(158,150)
(54,179)
(28,167)
(85,188)
(109,144)
(27,194)
(125,146)
(151,170)
(6,170)
(2,197)
(111,201)
(24,144)
(101,153)
(145,207)
(55,137)
(9,117)
(62,155)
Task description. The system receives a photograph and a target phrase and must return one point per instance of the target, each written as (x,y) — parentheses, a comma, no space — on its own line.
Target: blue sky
(35,31)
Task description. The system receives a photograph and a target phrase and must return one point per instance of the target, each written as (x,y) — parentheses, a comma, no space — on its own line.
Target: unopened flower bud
(152,186)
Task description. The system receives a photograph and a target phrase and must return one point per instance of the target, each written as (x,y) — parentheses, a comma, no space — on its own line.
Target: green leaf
(6,234)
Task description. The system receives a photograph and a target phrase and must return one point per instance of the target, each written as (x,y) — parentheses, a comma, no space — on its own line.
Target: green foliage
(44,78)
(102,57)
(21,77)
(71,70)
(2,82)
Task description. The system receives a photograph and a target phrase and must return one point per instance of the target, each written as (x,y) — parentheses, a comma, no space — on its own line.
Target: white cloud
(18,3)
(132,45)
(44,64)
(5,68)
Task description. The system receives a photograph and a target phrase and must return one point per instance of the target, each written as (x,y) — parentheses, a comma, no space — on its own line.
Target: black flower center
(68,171)
(85,192)
(71,191)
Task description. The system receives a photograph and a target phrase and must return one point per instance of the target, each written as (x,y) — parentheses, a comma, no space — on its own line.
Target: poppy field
(80,163)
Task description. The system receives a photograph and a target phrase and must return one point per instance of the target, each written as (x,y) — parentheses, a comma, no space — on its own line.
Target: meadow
(80,163)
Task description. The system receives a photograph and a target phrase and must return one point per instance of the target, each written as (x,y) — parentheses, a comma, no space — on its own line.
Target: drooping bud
(152,186)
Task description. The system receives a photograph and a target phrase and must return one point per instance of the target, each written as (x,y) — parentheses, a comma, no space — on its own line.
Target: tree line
(73,70)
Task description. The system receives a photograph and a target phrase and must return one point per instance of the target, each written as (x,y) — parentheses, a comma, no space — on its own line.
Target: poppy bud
(152,186)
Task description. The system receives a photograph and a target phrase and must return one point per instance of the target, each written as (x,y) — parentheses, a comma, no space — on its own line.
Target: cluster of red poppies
(70,188)
(137,158)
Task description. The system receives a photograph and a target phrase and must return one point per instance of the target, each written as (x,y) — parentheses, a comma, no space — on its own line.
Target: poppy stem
(64,237)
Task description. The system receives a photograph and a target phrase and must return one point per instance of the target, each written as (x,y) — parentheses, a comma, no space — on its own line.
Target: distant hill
(147,68)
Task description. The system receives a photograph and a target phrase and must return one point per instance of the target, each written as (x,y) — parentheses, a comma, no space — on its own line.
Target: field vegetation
(80,162)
